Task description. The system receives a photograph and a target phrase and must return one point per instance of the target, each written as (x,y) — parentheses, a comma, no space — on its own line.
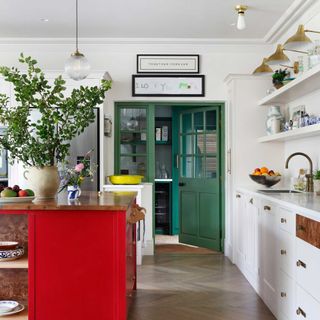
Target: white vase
(316,187)
(43,181)
(74,192)
(274,119)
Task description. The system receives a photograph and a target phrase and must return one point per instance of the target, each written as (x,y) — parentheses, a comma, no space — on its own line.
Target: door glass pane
(187,144)
(133,119)
(198,121)
(211,120)
(187,123)
(133,165)
(200,145)
(199,167)
(133,148)
(211,167)
(211,143)
(133,138)
(187,167)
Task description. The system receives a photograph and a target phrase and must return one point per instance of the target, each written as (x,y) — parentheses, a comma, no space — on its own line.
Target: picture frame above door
(168,63)
(168,85)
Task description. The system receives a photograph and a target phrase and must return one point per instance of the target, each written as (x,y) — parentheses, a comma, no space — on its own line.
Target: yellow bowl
(125,179)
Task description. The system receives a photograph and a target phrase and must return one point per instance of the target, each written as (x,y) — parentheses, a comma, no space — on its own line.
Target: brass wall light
(263,69)
(299,40)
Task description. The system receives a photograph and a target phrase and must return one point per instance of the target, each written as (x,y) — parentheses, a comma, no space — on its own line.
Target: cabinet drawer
(307,268)
(308,230)
(286,252)
(286,220)
(286,296)
(307,307)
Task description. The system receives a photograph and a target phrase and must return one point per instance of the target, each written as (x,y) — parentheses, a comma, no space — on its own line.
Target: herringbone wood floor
(194,287)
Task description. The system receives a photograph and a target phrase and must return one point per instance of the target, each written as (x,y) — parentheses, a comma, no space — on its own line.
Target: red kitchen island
(80,260)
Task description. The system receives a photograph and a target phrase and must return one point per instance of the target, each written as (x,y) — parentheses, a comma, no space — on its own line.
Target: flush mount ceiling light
(263,69)
(77,66)
(241,23)
(299,40)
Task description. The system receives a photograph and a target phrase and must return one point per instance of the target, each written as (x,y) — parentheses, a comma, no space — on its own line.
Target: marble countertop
(89,200)
(306,201)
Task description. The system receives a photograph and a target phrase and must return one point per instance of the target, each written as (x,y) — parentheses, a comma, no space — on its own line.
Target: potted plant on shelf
(42,121)
(316,182)
(278,77)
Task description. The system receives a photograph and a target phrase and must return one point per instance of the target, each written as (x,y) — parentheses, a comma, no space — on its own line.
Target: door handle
(181,184)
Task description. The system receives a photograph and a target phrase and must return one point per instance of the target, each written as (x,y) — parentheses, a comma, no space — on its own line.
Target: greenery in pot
(279,76)
(316,175)
(44,141)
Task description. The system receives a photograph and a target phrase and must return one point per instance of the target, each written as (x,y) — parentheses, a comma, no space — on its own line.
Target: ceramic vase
(274,120)
(74,192)
(43,181)
(316,186)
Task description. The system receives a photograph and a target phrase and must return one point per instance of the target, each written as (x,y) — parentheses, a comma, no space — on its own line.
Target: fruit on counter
(264,171)
(22,193)
(16,188)
(30,192)
(8,193)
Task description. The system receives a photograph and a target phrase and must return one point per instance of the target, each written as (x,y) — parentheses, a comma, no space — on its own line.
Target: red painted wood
(31,270)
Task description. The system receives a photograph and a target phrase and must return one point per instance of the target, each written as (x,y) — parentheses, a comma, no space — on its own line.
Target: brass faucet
(309,187)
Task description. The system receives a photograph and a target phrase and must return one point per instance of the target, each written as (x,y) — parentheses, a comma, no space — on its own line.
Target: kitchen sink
(279,191)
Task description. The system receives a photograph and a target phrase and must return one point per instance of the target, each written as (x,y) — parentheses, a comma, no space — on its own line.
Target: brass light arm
(295,67)
(313,31)
(298,51)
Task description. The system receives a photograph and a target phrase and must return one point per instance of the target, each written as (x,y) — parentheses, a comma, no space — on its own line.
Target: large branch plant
(46,140)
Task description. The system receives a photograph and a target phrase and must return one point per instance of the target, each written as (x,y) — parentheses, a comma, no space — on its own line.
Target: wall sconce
(263,69)
(107,126)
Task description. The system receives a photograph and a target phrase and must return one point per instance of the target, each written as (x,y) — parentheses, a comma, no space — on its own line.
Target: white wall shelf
(301,86)
(295,134)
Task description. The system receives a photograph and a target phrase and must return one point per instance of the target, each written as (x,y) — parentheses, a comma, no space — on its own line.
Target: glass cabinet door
(132,147)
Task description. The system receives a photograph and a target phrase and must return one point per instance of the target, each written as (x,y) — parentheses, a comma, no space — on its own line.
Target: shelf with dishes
(307,83)
(295,134)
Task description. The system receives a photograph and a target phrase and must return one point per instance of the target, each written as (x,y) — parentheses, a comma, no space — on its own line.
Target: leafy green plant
(316,175)
(279,75)
(46,140)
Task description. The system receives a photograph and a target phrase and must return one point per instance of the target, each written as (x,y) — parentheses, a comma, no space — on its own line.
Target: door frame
(191,104)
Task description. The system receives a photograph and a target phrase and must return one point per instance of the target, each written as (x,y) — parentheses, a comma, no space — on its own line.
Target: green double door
(198,163)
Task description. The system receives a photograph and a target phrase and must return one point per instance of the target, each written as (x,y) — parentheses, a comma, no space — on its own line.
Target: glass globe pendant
(77,66)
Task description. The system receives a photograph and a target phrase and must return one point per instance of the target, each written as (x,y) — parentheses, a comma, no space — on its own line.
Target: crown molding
(289,18)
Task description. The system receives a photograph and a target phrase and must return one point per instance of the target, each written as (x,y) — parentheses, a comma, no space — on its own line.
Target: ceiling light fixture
(299,40)
(263,69)
(241,23)
(77,66)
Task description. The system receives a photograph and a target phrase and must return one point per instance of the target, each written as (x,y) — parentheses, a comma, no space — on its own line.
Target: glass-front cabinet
(134,136)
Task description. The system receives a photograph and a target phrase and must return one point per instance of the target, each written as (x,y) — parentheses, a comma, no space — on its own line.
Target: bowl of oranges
(265,176)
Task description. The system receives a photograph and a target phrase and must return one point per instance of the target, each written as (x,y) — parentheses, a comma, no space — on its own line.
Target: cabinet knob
(283,294)
(301,312)
(300,227)
(283,220)
(301,264)
(267,208)
(283,252)
(238,196)
(251,201)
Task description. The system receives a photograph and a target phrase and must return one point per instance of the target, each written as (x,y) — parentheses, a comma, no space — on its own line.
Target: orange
(257,173)
(264,170)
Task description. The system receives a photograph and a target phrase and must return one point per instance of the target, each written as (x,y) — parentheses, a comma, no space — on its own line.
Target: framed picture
(168,86)
(168,63)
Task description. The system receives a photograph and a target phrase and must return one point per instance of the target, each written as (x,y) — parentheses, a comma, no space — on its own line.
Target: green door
(199,177)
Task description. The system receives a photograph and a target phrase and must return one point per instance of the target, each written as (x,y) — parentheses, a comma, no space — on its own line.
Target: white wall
(217,61)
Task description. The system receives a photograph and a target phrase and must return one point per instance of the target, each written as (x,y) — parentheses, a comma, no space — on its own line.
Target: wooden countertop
(89,200)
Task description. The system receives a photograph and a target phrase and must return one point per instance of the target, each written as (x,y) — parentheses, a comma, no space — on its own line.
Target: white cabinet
(307,307)
(286,297)
(241,219)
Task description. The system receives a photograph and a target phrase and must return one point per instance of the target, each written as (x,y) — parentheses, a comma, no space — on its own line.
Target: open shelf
(23,315)
(301,86)
(295,134)
(15,264)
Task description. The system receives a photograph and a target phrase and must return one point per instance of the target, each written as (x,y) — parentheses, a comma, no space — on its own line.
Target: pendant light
(299,40)
(263,69)
(77,66)
(241,23)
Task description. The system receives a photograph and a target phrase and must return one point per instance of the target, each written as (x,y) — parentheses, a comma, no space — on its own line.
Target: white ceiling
(199,19)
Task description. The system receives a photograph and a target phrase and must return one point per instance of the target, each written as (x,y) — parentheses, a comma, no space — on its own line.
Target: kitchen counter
(309,202)
(89,200)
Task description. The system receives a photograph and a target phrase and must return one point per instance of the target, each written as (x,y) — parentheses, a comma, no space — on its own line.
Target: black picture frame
(194,59)
(154,92)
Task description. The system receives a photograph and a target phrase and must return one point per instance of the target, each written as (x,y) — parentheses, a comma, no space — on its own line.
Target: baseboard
(228,251)
(148,249)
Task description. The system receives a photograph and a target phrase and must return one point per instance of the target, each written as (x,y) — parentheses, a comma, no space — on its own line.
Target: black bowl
(267,181)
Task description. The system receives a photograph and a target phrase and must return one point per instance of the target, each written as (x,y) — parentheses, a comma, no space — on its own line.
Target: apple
(23,193)
(16,188)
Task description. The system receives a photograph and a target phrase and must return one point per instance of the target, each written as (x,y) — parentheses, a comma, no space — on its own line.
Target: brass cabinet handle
(283,294)
(301,312)
(251,201)
(300,228)
(283,252)
(238,196)
(267,208)
(301,264)
(283,220)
